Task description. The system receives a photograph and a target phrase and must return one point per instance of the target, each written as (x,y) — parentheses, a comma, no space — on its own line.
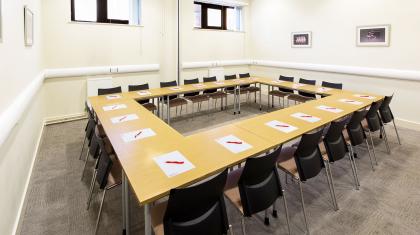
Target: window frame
(101,14)
(204,16)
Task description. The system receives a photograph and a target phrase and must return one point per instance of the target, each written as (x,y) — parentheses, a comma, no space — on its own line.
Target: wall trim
(411,75)
(216,63)
(100,70)
(28,179)
(407,124)
(65,118)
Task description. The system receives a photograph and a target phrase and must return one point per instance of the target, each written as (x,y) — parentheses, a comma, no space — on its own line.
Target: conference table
(141,139)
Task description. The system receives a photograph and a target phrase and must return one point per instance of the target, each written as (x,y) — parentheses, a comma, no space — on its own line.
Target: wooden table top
(149,182)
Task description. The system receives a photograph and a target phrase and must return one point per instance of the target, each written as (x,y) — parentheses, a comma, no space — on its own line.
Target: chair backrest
(354,128)
(89,111)
(307,82)
(210,79)
(191,81)
(197,209)
(259,184)
(334,141)
(244,75)
(230,77)
(385,111)
(90,129)
(104,167)
(107,91)
(372,117)
(139,88)
(169,84)
(308,156)
(332,85)
(286,79)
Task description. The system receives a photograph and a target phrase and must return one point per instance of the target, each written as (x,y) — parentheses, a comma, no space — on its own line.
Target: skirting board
(407,124)
(64,118)
(28,179)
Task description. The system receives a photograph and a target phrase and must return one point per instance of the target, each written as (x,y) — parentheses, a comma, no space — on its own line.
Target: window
(212,16)
(106,11)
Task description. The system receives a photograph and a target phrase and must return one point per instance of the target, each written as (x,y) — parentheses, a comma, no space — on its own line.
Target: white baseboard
(407,124)
(64,118)
(28,179)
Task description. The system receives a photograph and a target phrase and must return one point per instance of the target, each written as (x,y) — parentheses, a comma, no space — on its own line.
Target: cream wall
(19,66)
(333,24)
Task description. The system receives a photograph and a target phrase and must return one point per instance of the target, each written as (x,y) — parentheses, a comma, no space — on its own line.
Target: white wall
(19,65)
(333,24)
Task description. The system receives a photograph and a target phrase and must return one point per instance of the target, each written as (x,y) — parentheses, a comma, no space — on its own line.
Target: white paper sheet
(306,117)
(113,97)
(279,81)
(175,88)
(329,109)
(297,85)
(173,163)
(144,93)
(233,144)
(323,89)
(114,107)
(199,85)
(219,83)
(347,101)
(365,96)
(124,118)
(137,135)
(281,126)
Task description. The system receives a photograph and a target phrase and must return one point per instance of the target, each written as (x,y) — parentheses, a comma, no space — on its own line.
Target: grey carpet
(387,202)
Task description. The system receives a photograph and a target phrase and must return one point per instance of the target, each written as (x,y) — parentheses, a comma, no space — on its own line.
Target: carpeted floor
(388,201)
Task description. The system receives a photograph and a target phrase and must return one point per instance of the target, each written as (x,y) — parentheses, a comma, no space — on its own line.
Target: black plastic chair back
(244,75)
(259,184)
(103,169)
(169,84)
(191,81)
(385,111)
(354,128)
(107,91)
(334,141)
(139,88)
(89,111)
(307,82)
(332,85)
(90,129)
(210,79)
(286,79)
(198,209)
(230,77)
(372,117)
(308,156)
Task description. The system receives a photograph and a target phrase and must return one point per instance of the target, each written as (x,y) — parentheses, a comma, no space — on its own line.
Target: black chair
(256,187)
(108,91)
(248,88)
(199,209)
(93,147)
(373,123)
(89,130)
(386,114)
(214,94)
(146,103)
(232,90)
(107,176)
(302,96)
(174,100)
(355,135)
(334,148)
(305,162)
(281,92)
(196,97)
(338,86)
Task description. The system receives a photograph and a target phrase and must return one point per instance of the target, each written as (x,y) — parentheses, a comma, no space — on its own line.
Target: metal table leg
(239,99)
(126,204)
(234,100)
(168,111)
(268,97)
(259,84)
(147,220)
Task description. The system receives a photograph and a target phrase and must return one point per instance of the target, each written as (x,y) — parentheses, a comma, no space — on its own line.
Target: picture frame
(301,39)
(373,35)
(29,26)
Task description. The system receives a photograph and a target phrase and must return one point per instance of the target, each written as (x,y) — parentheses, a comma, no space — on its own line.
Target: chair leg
(83,147)
(230,229)
(373,147)
(243,225)
(331,184)
(100,211)
(386,140)
(266,218)
(303,207)
(354,165)
(356,184)
(396,131)
(92,186)
(287,211)
(370,156)
(84,166)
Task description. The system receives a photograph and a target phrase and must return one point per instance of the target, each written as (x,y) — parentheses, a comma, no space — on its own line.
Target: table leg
(168,111)
(268,98)
(259,84)
(126,204)
(239,99)
(147,220)
(234,101)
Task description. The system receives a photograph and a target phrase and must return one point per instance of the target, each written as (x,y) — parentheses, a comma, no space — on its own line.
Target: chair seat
(157,213)
(365,125)
(299,98)
(197,98)
(99,131)
(252,89)
(346,137)
(177,102)
(149,106)
(108,146)
(217,95)
(286,161)
(232,190)
(279,93)
(242,91)
(323,151)
(114,177)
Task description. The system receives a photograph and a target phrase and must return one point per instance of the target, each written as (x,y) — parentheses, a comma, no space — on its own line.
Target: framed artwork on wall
(373,35)
(29,26)
(302,39)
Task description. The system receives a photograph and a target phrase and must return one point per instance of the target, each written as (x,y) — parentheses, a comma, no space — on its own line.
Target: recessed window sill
(218,30)
(110,24)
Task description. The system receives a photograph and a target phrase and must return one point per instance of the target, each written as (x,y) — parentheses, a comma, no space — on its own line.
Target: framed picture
(29,26)
(373,35)
(302,39)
